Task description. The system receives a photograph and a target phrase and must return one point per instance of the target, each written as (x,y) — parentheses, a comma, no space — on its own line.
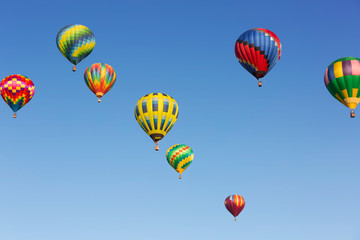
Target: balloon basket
(260,84)
(99,100)
(352,114)
(235,219)
(74,68)
(180,176)
(14,115)
(156,147)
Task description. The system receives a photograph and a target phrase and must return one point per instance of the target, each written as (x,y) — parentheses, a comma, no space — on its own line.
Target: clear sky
(73,169)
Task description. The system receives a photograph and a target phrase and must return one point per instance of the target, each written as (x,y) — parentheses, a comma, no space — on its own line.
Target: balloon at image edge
(235,204)
(156,113)
(342,80)
(75,42)
(258,50)
(179,156)
(100,78)
(17,91)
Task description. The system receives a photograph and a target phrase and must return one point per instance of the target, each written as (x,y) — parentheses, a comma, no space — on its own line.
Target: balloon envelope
(258,50)
(180,156)
(75,42)
(100,78)
(156,113)
(342,80)
(235,204)
(17,90)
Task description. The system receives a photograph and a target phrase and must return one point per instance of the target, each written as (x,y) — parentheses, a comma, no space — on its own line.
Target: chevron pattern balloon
(235,204)
(258,50)
(17,90)
(100,78)
(75,42)
(180,157)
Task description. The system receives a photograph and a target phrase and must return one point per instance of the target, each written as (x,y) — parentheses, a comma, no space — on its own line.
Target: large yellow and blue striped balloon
(75,42)
(179,157)
(156,113)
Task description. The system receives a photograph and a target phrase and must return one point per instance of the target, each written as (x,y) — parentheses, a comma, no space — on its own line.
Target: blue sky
(71,168)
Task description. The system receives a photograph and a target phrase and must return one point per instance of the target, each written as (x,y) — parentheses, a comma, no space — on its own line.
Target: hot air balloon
(75,42)
(156,113)
(235,204)
(100,78)
(17,90)
(258,50)
(179,157)
(342,79)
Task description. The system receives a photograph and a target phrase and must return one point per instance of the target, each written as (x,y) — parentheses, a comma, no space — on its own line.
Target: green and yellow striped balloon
(180,157)
(75,42)
(342,79)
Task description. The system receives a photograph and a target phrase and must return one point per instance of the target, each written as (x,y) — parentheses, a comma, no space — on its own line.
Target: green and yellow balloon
(342,80)
(180,156)
(75,42)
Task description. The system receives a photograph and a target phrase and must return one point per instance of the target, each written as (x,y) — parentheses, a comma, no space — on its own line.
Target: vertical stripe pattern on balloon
(156,113)
(235,204)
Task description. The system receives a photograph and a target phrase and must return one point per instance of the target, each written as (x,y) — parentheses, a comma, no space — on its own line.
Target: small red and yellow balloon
(17,91)
(235,204)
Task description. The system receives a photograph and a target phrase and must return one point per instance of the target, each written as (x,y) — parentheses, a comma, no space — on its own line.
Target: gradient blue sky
(71,168)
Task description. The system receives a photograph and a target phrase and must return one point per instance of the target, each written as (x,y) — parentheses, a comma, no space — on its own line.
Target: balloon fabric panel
(156,113)
(342,79)
(17,90)
(75,42)
(180,157)
(100,78)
